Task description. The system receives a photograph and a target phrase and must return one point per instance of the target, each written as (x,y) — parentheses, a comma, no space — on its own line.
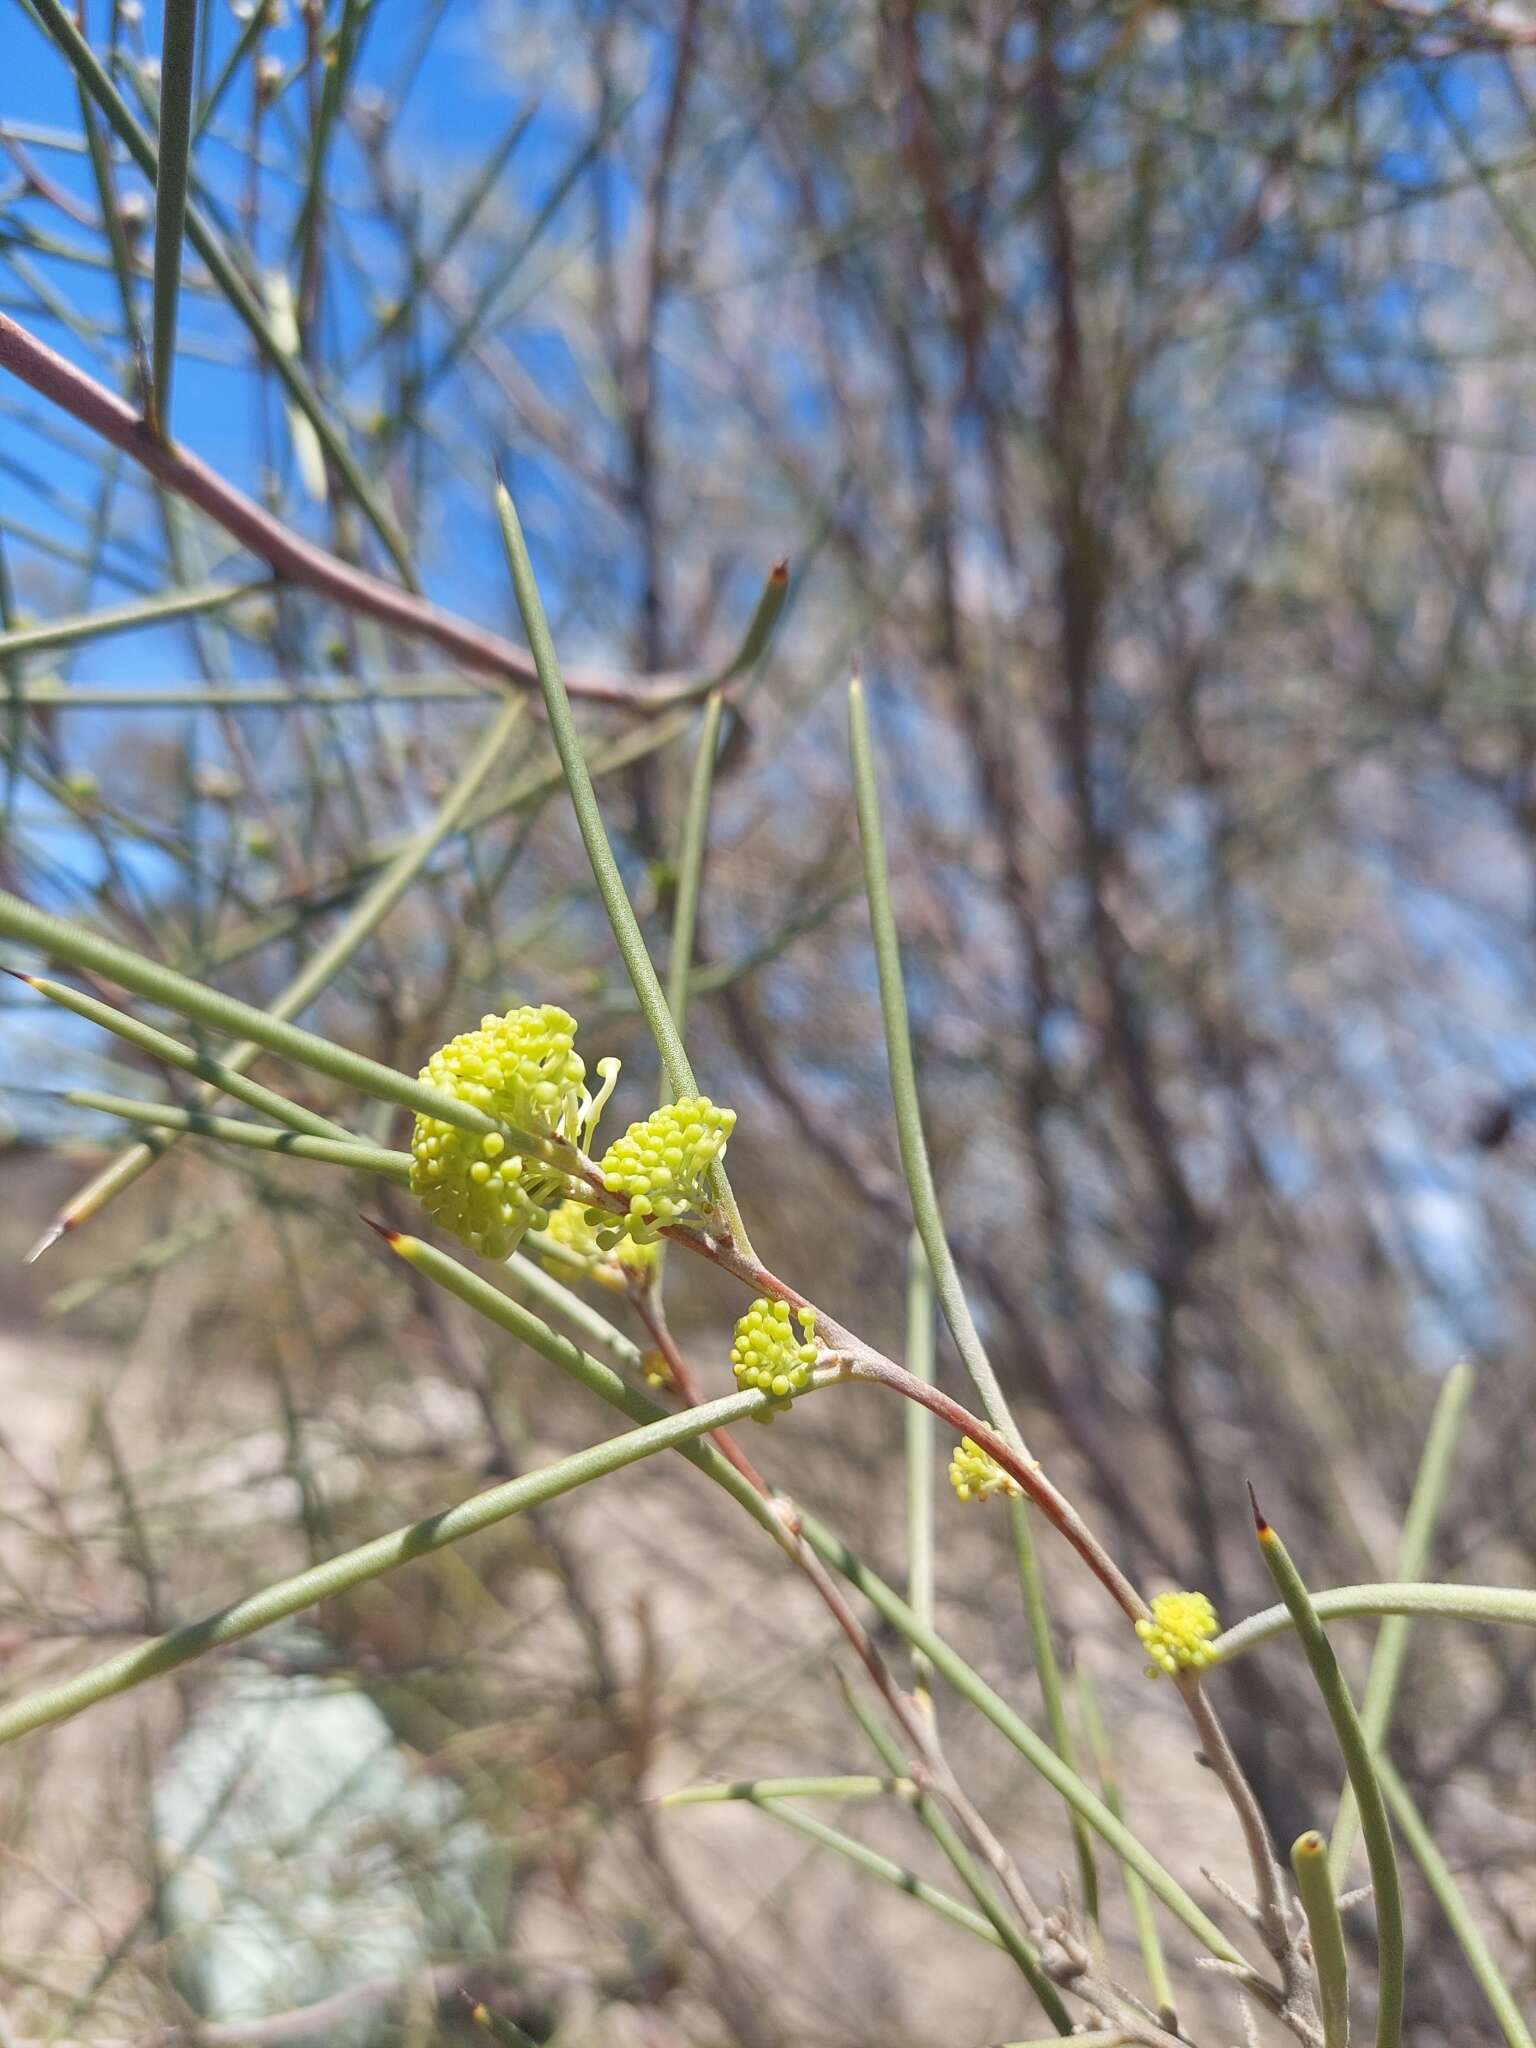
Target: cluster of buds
(1178,1636)
(976,1476)
(523,1070)
(655,1370)
(661,1166)
(605,1255)
(766,1355)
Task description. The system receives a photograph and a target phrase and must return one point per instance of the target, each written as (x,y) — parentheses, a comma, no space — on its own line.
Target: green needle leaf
(172,1053)
(594,836)
(228,1130)
(1448,1897)
(1362,1776)
(177,65)
(1314,1885)
(1513,1606)
(355,1568)
(122,618)
(1413,1551)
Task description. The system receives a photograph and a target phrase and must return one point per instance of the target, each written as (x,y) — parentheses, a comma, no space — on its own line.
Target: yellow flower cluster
(661,1166)
(569,1228)
(976,1476)
(766,1355)
(522,1069)
(578,1230)
(655,1370)
(1177,1638)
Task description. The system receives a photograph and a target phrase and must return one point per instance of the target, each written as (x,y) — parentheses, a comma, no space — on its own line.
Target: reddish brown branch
(290,557)
(648,1306)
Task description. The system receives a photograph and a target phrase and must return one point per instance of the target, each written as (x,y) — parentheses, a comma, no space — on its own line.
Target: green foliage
(1039,440)
(517,1080)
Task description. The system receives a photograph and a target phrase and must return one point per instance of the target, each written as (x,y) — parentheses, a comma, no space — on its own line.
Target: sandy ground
(735,1659)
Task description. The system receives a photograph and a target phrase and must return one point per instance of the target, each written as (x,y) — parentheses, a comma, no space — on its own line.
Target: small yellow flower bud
(976,1476)
(586,1236)
(656,1369)
(765,1354)
(661,1166)
(1177,1638)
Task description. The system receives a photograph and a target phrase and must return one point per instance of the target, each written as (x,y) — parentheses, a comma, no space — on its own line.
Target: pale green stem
(754,642)
(354,931)
(1362,1775)
(594,837)
(178,51)
(1330,1962)
(1142,1916)
(919,1441)
(852,1787)
(873,1864)
(947,1838)
(172,1053)
(487,1300)
(168,1116)
(935,1241)
(689,881)
(915,1163)
(49,694)
(1413,1552)
(690,862)
(339,1575)
(1448,1896)
(258,20)
(1037,1753)
(526,792)
(89,950)
(500,2028)
(589,1323)
(123,618)
(1048,1672)
(1513,1606)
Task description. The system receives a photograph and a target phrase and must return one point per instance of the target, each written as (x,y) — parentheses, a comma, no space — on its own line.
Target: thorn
(779,573)
(46,1242)
(1259,1522)
(390,1237)
(16,975)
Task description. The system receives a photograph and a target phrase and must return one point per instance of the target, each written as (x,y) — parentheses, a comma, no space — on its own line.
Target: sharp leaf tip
(46,1242)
